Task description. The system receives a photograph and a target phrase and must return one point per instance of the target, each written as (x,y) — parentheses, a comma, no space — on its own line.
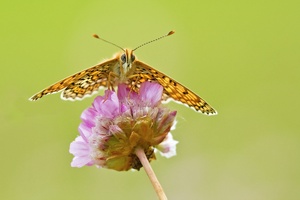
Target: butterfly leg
(110,83)
(134,82)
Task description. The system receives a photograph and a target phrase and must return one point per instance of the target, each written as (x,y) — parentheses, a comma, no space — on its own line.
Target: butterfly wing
(172,89)
(82,83)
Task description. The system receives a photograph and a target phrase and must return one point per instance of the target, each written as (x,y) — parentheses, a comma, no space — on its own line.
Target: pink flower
(117,123)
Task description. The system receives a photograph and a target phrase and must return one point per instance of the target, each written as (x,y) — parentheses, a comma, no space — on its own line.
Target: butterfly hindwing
(84,86)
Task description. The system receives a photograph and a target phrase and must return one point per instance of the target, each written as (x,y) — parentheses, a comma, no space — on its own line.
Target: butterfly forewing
(82,83)
(172,89)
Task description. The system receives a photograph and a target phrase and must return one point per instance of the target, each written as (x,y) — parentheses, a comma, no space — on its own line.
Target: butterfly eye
(123,58)
(132,58)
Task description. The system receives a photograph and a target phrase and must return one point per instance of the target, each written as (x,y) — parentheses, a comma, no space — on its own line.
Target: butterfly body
(124,67)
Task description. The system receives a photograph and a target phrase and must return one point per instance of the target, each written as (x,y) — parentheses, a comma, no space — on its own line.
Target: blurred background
(241,56)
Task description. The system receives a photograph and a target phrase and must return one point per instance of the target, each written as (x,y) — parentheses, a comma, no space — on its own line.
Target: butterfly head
(126,60)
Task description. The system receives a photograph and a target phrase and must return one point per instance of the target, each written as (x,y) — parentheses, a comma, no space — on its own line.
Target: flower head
(117,123)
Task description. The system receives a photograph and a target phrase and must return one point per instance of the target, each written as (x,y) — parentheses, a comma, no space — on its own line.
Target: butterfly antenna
(170,33)
(97,37)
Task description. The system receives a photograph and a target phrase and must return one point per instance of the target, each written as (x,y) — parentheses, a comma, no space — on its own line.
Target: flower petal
(108,106)
(81,151)
(151,93)
(79,147)
(168,147)
(89,114)
(122,92)
(81,161)
(85,131)
(125,94)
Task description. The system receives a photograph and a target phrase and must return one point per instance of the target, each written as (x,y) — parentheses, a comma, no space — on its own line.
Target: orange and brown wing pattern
(87,84)
(172,88)
(82,83)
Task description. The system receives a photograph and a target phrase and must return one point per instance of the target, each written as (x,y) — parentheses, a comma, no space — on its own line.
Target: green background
(241,56)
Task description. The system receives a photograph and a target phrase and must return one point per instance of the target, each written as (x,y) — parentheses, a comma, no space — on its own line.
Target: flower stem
(158,189)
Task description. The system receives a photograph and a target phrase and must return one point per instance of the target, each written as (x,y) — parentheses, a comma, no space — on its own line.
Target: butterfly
(124,67)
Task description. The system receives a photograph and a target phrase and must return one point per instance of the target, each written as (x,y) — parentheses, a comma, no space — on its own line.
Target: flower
(117,123)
